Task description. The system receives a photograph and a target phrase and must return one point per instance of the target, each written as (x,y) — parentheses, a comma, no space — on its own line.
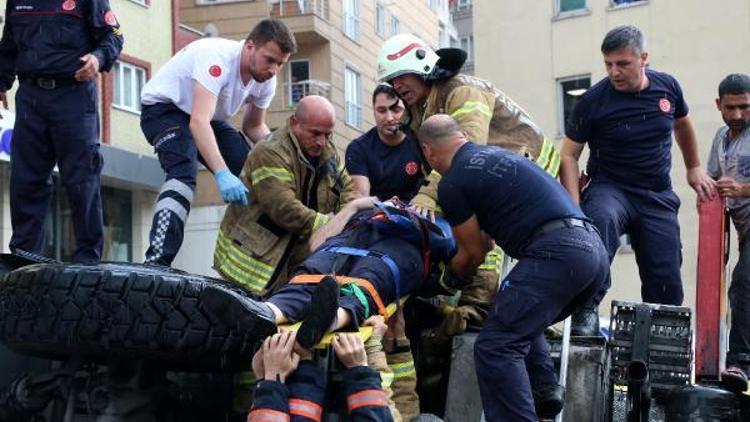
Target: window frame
(561,99)
(291,101)
(118,88)
(356,120)
(470,43)
(379,24)
(397,21)
(634,3)
(352,19)
(144,3)
(575,12)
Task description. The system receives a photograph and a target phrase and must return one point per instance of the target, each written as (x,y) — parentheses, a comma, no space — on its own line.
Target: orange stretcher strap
(361,282)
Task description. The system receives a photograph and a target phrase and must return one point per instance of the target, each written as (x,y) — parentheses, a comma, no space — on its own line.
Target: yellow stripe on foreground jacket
(246,270)
(471,107)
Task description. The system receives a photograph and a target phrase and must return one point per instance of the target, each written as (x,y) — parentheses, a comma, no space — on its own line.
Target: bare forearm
(333,227)
(205,141)
(256,133)
(684,135)
(569,171)
(464,262)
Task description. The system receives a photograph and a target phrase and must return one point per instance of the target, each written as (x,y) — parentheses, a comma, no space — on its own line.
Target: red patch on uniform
(665,105)
(110,18)
(411,168)
(69,5)
(214,71)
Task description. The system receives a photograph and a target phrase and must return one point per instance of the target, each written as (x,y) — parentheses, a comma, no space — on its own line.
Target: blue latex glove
(233,191)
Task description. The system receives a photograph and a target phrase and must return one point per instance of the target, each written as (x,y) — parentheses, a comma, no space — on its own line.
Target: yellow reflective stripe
(320,219)
(244,378)
(251,264)
(117,31)
(549,158)
(493,261)
(243,269)
(544,155)
(554,166)
(387,379)
(472,106)
(262,173)
(403,370)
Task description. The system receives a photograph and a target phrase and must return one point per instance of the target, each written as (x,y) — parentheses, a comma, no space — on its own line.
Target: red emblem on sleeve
(665,105)
(68,5)
(214,71)
(110,18)
(411,168)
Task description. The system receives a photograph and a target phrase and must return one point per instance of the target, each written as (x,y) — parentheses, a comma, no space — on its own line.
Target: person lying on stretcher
(369,255)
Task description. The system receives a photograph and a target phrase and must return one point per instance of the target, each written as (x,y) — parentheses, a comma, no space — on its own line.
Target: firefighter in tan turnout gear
(297,180)
(429,83)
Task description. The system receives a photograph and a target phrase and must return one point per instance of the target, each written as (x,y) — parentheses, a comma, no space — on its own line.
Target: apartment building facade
(131,177)
(462,16)
(546,53)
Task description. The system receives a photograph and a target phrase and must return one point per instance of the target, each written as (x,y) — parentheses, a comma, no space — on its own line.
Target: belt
(562,223)
(47,83)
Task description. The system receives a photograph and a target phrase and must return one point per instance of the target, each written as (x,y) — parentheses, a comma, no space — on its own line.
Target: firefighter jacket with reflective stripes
(291,198)
(488,117)
(301,399)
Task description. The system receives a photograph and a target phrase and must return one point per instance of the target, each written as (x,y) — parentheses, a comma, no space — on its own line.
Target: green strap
(352,289)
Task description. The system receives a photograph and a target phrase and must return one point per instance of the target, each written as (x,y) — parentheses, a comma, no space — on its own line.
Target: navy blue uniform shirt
(510,195)
(393,171)
(629,134)
(48,38)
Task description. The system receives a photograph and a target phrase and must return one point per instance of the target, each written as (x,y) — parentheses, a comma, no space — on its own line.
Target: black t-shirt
(629,134)
(510,195)
(392,171)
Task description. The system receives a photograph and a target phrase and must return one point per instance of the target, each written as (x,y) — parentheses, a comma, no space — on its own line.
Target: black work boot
(735,378)
(320,313)
(585,322)
(549,400)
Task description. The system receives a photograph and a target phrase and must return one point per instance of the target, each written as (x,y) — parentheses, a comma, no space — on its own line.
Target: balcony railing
(281,8)
(293,92)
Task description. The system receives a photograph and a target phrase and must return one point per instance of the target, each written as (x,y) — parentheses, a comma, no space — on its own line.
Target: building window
(395,25)
(379,18)
(117,204)
(568,6)
(351,19)
(353,95)
(569,90)
(299,80)
(619,3)
(467,45)
(128,83)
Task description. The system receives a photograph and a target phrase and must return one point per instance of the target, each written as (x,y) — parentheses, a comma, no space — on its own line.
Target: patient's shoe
(320,313)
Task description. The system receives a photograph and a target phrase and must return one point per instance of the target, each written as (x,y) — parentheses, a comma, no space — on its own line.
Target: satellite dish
(210,30)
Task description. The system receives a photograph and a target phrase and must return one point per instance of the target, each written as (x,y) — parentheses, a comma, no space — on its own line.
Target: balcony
(289,94)
(308,19)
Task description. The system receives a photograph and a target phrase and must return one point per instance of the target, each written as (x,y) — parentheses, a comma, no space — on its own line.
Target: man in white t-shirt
(185,108)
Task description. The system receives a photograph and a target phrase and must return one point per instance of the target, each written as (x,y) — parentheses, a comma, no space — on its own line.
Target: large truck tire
(129,311)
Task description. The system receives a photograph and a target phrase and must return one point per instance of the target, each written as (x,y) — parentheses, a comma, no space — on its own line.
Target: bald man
(297,180)
(491,194)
